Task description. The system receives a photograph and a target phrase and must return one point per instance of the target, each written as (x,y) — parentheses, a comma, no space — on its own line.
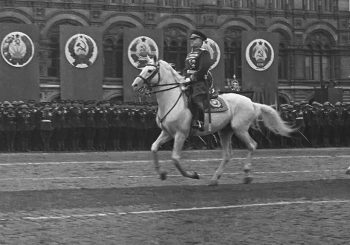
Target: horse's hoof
(347,171)
(195,175)
(213,183)
(247,180)
(163,175)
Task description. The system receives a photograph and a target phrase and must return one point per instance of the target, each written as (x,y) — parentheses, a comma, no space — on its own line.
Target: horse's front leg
(179,141)
(162,138)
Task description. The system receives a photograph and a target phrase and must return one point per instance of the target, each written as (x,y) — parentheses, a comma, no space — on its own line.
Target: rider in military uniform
(197,64)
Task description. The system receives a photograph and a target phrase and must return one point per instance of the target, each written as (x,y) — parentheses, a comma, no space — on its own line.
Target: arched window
(318,58)
(113,50)
(53,48)
(175,46)
(232,52)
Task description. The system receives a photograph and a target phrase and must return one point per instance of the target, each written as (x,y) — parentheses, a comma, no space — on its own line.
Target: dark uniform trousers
(197,64)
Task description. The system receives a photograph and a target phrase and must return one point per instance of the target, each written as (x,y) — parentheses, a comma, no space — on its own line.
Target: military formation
(76,126)
(317,124)
(73,125)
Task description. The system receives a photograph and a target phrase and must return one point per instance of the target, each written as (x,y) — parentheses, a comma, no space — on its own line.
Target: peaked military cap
(198,34)
(316,104)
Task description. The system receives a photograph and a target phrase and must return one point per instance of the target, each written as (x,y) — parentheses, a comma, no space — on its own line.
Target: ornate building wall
(314,36)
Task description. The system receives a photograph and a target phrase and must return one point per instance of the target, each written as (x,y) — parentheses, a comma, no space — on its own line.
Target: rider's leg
(198,112)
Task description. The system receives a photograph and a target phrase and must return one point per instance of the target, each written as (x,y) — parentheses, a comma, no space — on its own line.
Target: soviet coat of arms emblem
(17,49)
(140,50)
(214,51)
(259,54)
(81,50)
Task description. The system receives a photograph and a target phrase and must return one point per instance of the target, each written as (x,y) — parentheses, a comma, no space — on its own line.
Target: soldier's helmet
(327,104)
(6,103)
(316,104)
(338,104)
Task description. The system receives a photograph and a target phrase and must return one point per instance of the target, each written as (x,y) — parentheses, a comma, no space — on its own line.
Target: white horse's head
(148,77)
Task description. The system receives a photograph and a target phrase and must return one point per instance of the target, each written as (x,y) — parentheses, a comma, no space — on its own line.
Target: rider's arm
(203,66)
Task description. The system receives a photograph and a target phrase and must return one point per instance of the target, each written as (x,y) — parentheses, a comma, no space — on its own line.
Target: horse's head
(148,77)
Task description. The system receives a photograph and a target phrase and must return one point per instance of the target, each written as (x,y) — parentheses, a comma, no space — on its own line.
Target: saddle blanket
(217,105)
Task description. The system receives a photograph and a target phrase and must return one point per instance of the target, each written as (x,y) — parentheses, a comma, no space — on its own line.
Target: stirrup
(198,125)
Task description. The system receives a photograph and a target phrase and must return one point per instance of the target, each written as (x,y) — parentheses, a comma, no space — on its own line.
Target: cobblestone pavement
(299,196)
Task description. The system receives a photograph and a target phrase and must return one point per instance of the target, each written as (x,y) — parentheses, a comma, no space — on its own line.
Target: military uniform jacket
(197,64)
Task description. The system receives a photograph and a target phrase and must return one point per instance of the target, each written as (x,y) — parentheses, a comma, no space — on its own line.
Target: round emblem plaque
(17,49)
(140,50)
(81,50)
(259,54)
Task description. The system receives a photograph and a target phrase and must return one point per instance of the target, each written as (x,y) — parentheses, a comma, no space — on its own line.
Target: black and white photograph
(174,122)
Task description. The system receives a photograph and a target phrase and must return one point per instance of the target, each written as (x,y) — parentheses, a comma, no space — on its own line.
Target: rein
(150,86)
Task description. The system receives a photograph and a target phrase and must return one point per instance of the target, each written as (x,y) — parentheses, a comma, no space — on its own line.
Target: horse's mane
(178,78)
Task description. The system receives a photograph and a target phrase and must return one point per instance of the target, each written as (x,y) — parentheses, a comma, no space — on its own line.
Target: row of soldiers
(318,125)
(90,125)
(76,125)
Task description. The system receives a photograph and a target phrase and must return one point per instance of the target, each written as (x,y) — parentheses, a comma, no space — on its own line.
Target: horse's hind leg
(162,138)
(225,137)
(251,145)
(179,141)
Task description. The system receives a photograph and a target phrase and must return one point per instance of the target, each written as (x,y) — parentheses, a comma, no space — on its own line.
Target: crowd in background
(113,126)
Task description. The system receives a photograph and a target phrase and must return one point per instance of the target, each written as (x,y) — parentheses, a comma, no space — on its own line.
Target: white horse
(174,118)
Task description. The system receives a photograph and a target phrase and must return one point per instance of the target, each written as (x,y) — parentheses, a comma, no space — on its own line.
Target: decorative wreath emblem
(259,54)
(140,50)
(214,51)
(81,50)
(17,49)
(215,103)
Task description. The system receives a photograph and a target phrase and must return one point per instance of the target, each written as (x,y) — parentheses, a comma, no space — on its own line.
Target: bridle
(149,91)
(147,81)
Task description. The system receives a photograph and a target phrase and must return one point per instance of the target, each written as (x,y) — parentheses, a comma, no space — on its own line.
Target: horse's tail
(272,120)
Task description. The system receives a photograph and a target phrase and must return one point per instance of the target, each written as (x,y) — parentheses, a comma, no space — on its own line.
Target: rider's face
(196,42)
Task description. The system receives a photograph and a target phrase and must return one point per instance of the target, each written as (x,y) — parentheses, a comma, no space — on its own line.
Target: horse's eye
(149,71)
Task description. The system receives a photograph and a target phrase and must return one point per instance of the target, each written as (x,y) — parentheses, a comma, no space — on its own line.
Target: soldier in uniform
(59,114)
(339,125)
(46,126)
(328,123)
(315,124)
(88,116)
(114,123)
(197,64)
(9,116)
(347,124)
(76,125)
(101,126)
(25,125)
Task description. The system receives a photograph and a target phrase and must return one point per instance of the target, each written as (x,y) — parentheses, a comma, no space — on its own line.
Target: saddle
(216,105)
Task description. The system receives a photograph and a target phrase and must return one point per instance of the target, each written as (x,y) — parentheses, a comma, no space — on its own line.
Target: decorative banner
(81,50)
(259,54)
(140,49)
(17,49)
(214,50)
(81,45)
(19,65)
(260,65)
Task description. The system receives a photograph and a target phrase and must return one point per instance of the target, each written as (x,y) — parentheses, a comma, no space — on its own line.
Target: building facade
(314,37)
